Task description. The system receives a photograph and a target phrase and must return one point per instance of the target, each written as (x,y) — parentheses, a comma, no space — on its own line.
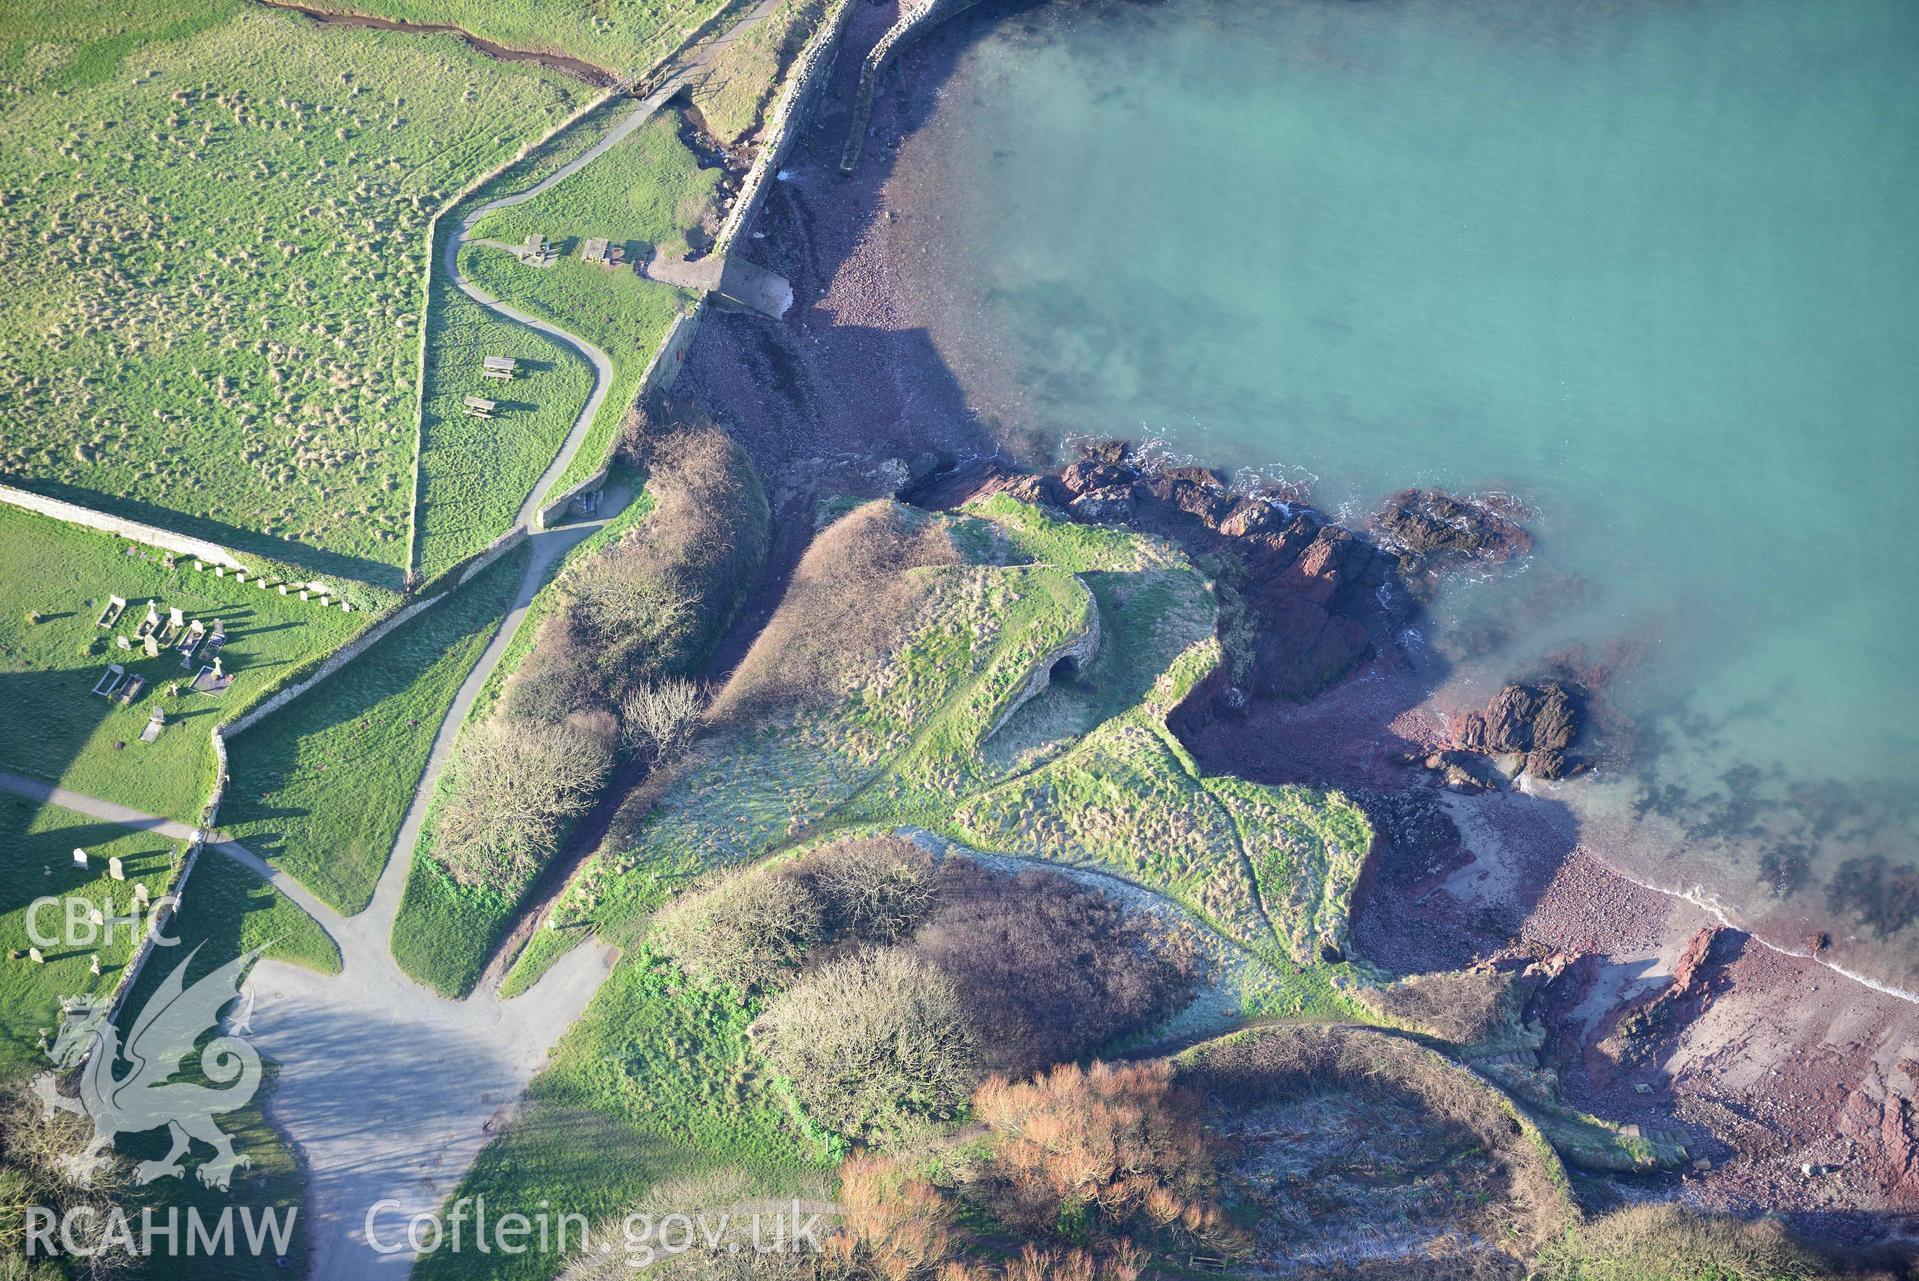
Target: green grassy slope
(1085,772)
(56,730)
(321,786)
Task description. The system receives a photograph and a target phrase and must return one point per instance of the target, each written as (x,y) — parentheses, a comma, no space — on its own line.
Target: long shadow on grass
(317,560)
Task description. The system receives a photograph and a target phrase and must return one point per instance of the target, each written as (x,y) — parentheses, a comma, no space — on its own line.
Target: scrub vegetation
(215,228)
(56,583)
(632,610)
(1002,679)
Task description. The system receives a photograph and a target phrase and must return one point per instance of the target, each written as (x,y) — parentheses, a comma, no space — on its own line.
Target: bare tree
(750,931)
(513,789)
(875,889)
(661,717)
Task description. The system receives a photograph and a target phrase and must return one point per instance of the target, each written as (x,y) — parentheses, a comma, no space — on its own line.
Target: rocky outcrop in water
(1530,726)
(1435,532)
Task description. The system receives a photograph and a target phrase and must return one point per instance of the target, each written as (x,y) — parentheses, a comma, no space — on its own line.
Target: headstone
(80,859)
(174,617)
(261,582)
(216,667)
(34,955)
(283,588)
(303,594)
(93,966)
(123,642)
(346,607)
(326,603)
(199,564)
(140,893)
(116,869)
(239,576)
(151,646)
(219,571)
(94,915)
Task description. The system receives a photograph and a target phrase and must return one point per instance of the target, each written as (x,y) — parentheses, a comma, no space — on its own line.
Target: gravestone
(150,647)
(93,966)
(34,955)
(116,869)
(140,893)
(80,859)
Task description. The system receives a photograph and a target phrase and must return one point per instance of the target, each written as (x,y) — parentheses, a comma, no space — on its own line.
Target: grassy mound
(1352,1146)
(1001,678)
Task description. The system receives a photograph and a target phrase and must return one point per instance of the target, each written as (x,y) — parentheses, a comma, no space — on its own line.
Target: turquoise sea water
(1653,268)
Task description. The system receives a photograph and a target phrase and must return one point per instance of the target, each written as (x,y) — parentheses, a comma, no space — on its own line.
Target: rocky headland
(1789,1087)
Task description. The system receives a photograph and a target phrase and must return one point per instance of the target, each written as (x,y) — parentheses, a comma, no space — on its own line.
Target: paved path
(112,812)
(387,1090)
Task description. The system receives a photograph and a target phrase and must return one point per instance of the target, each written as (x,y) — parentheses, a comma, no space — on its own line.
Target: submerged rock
(1443,532)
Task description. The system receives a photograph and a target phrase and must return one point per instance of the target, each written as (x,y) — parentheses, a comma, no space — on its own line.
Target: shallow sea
(1650,268)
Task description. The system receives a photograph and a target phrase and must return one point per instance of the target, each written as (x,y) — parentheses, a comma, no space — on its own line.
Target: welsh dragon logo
(163,1035)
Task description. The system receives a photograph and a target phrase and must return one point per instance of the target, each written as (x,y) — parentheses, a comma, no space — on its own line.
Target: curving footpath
(602,366)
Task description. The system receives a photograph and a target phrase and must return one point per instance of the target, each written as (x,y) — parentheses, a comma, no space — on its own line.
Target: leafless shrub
(1461,1006)
(39,1166)
(873,889)
(1052,969)
(749,930)
(661,718)
(1123,1139)
(878,1045)
(513,789)
(620,599)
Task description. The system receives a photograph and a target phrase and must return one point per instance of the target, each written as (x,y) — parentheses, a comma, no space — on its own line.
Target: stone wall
(334,662)
(916,16)
(151,535)
(804,83)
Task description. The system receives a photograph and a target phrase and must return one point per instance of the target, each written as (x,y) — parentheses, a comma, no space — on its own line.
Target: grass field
(475,473)
(622,36)
(58,731)
(321,786)
(656,1082)
(618,312)
(226,907)
(747,68)
(36,859)
(646,190)
(215,230)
